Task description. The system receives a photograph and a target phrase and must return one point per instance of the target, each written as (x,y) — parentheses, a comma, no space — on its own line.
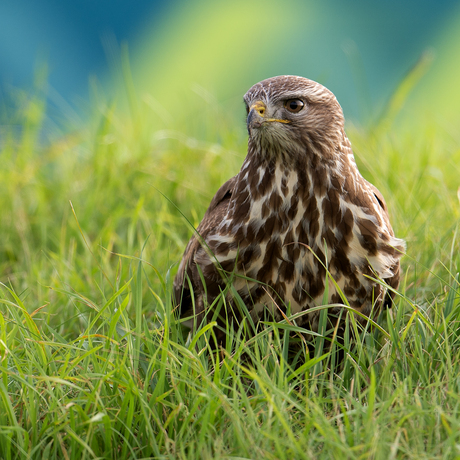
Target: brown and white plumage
(298,205)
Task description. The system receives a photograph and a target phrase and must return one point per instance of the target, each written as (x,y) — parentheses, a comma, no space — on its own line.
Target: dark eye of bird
(294,105)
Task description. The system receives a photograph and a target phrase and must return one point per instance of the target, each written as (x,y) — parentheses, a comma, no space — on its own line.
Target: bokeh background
(118,122)
(179,51)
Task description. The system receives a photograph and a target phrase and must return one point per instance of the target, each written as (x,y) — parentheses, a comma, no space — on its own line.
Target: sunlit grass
(93,362)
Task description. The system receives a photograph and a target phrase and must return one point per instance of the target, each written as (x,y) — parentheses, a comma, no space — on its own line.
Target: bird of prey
(298,226)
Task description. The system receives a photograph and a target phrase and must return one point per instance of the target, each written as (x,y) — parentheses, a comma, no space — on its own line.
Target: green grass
(93,362)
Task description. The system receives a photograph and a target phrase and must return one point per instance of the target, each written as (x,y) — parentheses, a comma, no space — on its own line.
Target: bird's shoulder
(212,217)
(217,207)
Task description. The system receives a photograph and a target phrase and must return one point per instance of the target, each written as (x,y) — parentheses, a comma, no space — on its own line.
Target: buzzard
(297,216)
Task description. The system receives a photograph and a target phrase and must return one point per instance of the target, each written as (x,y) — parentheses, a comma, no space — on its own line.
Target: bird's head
(293,114)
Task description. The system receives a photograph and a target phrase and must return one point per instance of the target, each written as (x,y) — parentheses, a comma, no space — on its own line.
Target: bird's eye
(294,105)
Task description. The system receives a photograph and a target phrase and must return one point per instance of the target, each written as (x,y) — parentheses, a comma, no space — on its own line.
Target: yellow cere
(259,107)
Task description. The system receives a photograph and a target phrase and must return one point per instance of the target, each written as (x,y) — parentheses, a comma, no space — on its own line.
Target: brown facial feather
(298,205)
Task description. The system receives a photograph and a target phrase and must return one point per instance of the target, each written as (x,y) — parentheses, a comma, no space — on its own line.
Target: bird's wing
(187,268)
(379,197)
(398,244)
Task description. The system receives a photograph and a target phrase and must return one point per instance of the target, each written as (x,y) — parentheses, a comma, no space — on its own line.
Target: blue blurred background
(360,49)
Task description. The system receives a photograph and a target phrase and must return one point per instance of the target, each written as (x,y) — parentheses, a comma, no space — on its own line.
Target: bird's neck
(269,174)
(264,171)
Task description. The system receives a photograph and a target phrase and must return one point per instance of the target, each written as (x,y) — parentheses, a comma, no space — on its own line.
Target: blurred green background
(180,50)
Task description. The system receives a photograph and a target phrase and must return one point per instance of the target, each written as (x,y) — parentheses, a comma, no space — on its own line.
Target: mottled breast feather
(298,208)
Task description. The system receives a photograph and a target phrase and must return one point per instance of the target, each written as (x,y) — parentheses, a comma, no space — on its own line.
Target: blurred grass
(93,363)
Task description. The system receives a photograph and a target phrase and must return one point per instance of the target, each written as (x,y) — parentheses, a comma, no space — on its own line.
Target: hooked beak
(257,116)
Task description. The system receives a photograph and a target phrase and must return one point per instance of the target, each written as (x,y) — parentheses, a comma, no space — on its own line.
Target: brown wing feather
(379,198)
(394,280)
(213,216)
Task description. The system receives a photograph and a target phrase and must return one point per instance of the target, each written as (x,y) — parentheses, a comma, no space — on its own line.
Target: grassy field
(93,362)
